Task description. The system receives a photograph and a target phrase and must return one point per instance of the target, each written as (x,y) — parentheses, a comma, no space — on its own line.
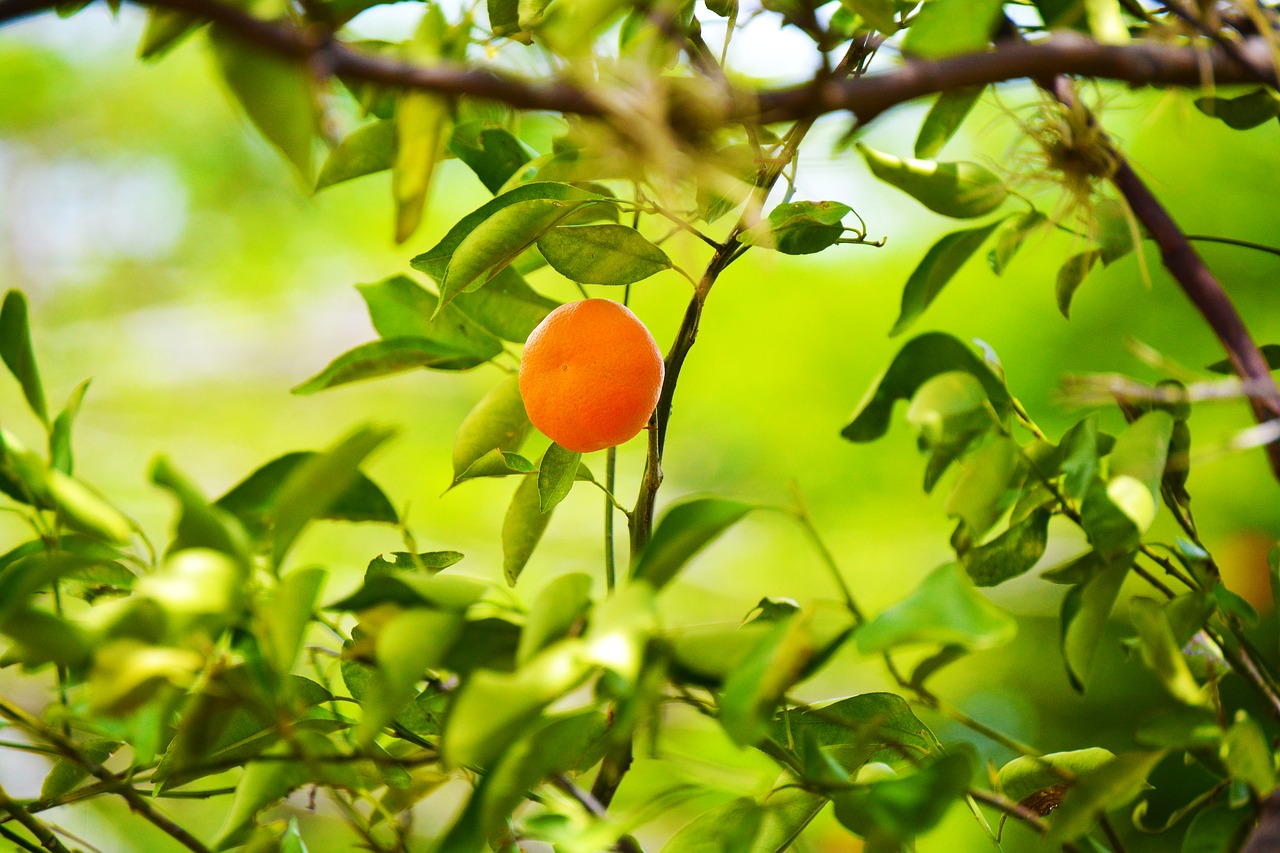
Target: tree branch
(1139,64)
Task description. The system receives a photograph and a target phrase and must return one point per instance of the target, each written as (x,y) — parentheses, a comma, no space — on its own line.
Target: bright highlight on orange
(590,375)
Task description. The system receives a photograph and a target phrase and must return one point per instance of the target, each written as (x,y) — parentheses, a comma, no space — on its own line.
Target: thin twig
(32,824)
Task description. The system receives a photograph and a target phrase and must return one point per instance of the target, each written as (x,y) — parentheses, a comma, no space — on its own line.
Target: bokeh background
(171,255)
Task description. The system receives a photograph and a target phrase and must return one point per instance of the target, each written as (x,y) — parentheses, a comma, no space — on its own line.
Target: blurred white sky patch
(65,218)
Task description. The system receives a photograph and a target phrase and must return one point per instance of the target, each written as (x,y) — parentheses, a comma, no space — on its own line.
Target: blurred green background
(171,255)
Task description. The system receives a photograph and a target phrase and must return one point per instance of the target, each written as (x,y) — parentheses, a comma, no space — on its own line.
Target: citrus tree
(210,665)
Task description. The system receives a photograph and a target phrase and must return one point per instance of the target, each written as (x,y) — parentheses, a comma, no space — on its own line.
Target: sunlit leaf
(684,530)
(799,227)
(1013,232)
(1027,775)
(602,254)
(1108,786)
(522,528)
(1247,755)
(559,605)
(945,610)
(960,190)
(936,269)
(1071,275)
(949,27)
(60,455)
(978,496)
(1161,652)
(15,350)
(366,150)
(1085,611)
(556,475)
(944,119)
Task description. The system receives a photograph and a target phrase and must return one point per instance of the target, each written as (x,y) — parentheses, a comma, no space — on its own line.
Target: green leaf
(949,27)
(944,610)
(896,810)
(40,637)
(684,530)
(493,153)
(522,528)
(1109,786)
(403,561)
(731,827)
(919,360)
(881,14)
(60,455)
(777,661)
(936,269)
(16,351)
(493,709)
(385,358)
(496,242)
(1080,457)
(602,254)
(365,150)
(978,498)
(1180,727)
(1027,774)
(707,654)
(276,93)
(1013,232)
(1218,828)
(944,119)
(409,643)
(440,591)
(288,614)
(556,475)
(1252,109)
(1085,610)
(165,28)
(497,422)
(1116,514)
(958,190)
(1010,554)
(507,306)
(799,227)
(435,261)
(1071,275)
(255,501)
(1270,352)
(949,411)
(66,775)
(1105,21)
(1115,230)
(1161,652)
(317,485)
(263,783)
(504,19)
(422,130)
(559,605)
(1247,755)
(399,307)
(199,524)
(870,727)
(85,509)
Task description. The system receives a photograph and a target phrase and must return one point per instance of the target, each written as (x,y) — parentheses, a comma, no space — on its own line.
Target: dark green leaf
(777,661)
(938,267)
(66,774)
(1010,554)
(602,254)
(256,499)
(958,190)
(881,14)
(919,360)
(1080,457)
(401,308)
(1085,610)
(15,350)
(684,530)
(899,809)
(403,561)
(1071,275)
(504,17)
(366,150)
(441,591)
(799,227)
(522,528)
(1271,352)
(944,119)
(944,610)
(493,153)
(385,358)
(1254,108)
(1013,232)
(497,422)
(1180,727)
(1218,828)
(556,475)
(1116,229)
(871,727)
(276,93)
(506,306)
(165,28)
(200,525)
(1109,786)
(950,27)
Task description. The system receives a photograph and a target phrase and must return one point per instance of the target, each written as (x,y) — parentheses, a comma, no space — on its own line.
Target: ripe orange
(590,375)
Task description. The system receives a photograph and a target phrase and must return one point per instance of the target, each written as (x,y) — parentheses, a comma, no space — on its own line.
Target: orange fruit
(590,375)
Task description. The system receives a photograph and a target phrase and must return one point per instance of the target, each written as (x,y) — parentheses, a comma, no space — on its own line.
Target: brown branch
(72,751)
(1138,64)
